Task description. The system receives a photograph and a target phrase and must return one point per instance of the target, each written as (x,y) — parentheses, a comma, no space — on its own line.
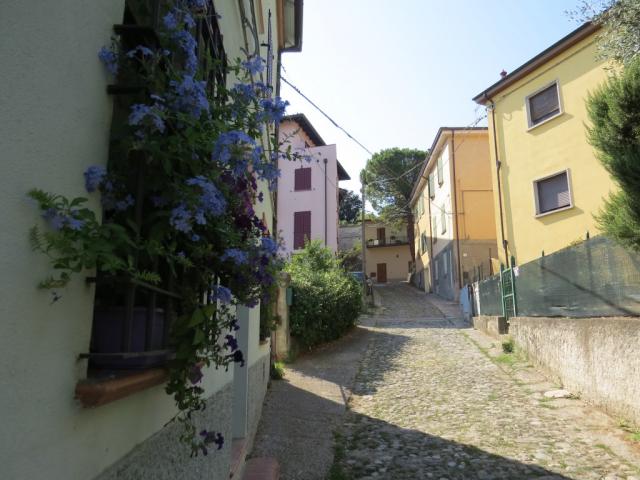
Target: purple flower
(270,245)
(195,237)
(195,374)
(190,96)
(237,357)
(140,111)
(273,109)
(218,292)
(122,205)
(146,52)
(231,343)
(110,60)
(181,218)
(93,177)
(209,438)
(260,197)
(254,65)
(212,201)
(238,256)
(170,20)
(74,223)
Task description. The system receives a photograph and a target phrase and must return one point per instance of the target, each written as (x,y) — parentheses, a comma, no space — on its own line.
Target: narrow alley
(430,400)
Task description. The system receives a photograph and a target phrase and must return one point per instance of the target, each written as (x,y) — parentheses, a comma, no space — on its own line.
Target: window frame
(527,103)
(536,199)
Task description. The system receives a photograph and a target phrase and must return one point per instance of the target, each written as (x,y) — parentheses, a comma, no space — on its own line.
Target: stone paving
(429,401)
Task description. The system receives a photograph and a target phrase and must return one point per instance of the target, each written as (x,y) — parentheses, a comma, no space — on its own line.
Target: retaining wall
(597,358)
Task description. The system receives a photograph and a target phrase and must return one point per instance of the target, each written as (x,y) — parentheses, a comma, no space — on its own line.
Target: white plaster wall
(54,123)
(290,201)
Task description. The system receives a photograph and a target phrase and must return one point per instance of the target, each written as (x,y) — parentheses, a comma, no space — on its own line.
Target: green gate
(508,290)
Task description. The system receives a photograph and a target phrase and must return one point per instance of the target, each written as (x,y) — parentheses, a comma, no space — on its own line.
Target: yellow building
(547,179)
(387,252)
(452,203)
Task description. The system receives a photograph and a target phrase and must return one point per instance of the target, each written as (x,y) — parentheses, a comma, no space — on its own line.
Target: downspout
(498,166)
(431,280)
(325,202)
(455,206)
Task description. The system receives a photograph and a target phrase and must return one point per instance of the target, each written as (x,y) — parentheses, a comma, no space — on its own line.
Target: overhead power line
(323,113)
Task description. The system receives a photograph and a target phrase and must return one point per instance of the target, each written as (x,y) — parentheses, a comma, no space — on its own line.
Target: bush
(326,299)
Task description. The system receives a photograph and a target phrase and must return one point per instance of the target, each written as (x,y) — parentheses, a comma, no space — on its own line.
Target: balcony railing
(388,241)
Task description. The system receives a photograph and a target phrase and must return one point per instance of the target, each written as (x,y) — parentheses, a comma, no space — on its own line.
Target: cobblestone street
(432,399)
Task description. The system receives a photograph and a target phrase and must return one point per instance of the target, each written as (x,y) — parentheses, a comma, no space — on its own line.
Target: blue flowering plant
(189,160)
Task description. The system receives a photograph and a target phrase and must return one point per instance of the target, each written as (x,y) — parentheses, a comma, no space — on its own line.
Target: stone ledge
(93,393)
(494,326)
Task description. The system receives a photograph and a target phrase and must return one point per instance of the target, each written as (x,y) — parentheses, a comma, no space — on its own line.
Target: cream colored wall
(422,225)
(55,122)
(396,257)
(547,149)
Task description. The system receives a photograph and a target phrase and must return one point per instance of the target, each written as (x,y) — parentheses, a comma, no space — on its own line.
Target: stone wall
(164,457)
(493,326)
(597,358)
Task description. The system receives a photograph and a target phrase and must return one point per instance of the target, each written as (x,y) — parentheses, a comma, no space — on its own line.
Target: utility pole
(364,242)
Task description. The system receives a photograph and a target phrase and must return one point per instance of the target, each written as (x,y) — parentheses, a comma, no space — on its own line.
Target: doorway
(381,272)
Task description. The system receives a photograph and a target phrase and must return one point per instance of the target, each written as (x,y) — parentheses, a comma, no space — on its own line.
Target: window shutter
(432,186)
(302,179)
(434,233)
(553,193)
(440,172)
(544,104)
(443,220)
(301,229)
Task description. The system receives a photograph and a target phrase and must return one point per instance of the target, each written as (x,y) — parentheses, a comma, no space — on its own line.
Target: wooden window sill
(95,392)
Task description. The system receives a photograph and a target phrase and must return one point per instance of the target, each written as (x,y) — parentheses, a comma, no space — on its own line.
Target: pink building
(308,190)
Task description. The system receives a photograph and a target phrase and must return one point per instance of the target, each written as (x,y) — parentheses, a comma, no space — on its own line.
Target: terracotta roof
(306,127)
(543,57)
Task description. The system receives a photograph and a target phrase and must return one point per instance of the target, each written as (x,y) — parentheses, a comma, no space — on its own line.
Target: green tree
(350,207)
(614,110)
(390,176)
(619,38)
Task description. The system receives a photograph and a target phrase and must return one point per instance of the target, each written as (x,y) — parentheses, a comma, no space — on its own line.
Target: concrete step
(262,468)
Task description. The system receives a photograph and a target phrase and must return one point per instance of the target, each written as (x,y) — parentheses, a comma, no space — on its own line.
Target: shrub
(326,299)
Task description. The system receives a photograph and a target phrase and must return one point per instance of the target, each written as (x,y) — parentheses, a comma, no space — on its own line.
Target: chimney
(503,73)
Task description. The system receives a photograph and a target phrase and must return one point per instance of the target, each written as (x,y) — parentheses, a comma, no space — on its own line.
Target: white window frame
(530,125)
(536,202)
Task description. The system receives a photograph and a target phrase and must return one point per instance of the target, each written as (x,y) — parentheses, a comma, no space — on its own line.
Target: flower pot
(107,341)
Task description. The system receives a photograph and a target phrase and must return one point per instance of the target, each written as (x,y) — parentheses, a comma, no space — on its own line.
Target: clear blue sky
(392,73)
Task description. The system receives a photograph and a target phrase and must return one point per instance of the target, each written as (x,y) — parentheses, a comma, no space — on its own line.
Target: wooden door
(381,272)
(381,236)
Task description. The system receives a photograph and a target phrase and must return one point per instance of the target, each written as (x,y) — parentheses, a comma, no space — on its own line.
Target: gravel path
(429,401)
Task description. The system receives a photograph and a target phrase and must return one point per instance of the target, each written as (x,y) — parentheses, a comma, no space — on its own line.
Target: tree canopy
(389,176)
(614,110)
(350,208)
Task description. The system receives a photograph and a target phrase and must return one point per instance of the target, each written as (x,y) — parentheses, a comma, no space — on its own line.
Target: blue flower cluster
(240,257)
(58,220)
(93,177)
(110,60)
(273,110)
(254,65)
(222,148)
(220,293)
(140,112)
(209,438)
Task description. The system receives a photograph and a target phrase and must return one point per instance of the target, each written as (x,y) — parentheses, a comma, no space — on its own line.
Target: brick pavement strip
(429,402)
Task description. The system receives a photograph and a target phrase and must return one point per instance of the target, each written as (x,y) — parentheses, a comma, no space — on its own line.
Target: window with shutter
(440,171)
(435,229)
(552,193)
(543,105)
(301,229)
(302,179)
(432,186)
(443,219)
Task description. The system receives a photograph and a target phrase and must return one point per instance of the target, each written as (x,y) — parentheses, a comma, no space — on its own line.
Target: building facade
(547,180)
(308,186)
(387,252)
(452,204)
(56,119)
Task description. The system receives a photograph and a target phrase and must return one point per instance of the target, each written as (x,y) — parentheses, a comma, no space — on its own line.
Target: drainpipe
(455,205)
(325,202)
(498,166)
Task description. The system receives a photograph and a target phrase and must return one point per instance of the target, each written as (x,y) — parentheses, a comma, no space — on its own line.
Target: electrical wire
(297,90)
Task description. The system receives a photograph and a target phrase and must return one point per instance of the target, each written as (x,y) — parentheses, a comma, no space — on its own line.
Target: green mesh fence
(594,278)
(490,299)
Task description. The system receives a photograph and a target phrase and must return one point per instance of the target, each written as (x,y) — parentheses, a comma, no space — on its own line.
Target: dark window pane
(544,105)
(553,193)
